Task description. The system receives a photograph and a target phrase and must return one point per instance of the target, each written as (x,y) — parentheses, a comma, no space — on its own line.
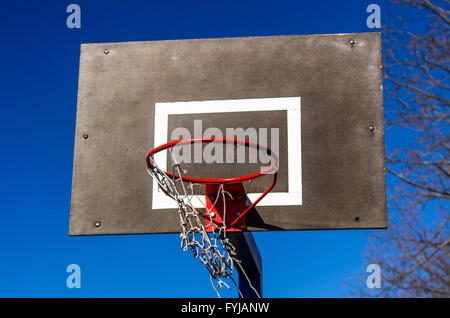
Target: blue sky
(39,62)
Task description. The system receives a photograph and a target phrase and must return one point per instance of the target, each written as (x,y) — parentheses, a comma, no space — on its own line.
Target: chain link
(212,248)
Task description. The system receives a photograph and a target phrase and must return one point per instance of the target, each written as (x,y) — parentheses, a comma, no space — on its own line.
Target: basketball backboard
(317,99)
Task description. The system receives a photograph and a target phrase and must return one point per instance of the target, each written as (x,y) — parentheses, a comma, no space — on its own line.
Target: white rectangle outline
(292,106)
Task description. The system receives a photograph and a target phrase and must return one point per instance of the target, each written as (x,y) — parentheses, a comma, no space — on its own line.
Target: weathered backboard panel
(323,94)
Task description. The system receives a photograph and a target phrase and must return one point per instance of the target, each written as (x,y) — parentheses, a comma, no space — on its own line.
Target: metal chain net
(212,248)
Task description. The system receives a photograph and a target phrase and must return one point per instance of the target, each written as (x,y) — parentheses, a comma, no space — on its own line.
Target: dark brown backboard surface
(323,92)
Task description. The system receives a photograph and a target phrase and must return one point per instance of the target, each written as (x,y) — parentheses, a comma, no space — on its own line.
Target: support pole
(248,253)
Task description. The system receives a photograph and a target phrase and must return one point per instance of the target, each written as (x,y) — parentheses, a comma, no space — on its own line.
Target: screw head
(371,128)
(85,136)
(352,42)
(97,224)
(106,51)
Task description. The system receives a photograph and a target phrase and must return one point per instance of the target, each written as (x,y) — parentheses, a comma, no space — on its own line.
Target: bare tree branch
(421,186)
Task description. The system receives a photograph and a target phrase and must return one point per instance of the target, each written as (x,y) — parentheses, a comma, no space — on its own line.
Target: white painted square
(292,106)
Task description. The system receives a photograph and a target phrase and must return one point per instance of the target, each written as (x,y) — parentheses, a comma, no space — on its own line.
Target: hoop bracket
(231,201)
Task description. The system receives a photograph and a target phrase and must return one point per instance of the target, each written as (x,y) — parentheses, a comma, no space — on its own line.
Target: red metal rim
(272,169)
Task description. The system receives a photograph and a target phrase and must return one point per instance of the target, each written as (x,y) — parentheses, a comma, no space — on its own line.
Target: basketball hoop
(225,208)
(273,169)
